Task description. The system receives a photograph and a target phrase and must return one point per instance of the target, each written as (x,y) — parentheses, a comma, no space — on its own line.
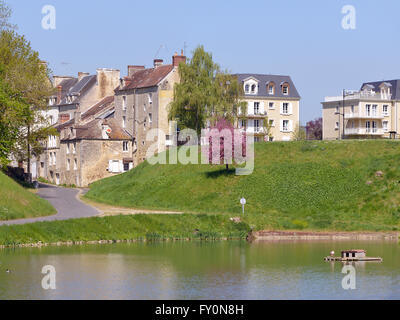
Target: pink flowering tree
(224,144)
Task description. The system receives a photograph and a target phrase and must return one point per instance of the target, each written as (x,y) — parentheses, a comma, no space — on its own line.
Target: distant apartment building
(272,106)
(372,112)
(141,104)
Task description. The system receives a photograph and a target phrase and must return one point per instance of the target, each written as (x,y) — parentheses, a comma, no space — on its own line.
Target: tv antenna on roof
(163,46)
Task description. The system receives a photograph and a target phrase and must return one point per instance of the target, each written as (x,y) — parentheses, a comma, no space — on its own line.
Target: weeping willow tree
(204,93)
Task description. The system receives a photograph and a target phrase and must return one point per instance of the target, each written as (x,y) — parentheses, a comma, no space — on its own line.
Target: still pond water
(195,270)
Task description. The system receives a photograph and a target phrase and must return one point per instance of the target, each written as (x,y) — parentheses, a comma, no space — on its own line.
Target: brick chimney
(158,62)
(81,75)
(63,118)
(178,59)
(133,69)
(59,94)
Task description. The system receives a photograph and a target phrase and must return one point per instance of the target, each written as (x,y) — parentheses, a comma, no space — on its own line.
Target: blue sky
(303,39)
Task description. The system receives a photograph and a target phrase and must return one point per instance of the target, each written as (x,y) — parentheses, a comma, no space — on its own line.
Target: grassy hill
(296,185)
(17,202)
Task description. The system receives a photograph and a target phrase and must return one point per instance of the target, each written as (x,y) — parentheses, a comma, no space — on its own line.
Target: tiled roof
(100,108)
(394,83)
(147,77)
(94,130)
(264,79)
(79,88)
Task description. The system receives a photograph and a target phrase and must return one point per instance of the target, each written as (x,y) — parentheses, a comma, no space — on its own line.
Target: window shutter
(281,125)
(110,165)
(290,108)
(262,107)
(281,108)
(291,125)
(250,107)
(121,166)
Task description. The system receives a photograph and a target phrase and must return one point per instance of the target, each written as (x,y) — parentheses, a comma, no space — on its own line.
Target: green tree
(24,73)
(12,109)
(204,93)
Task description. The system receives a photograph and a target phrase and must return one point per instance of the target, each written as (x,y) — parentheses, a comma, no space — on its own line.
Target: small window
(271,89)
(285,108)
(285,125)
(337,125)
(285,89)
(150,119)
(253,88)
(272,123)
(243,123)
(68,148)
(126,166)
(124,103)
(256,139)
(123,122)
(74,148)
(256,108)
(385,125)
(385,110)
(271,105)
(256,126)
(150,98)
(75,164)
(247,88)
(125,146)
(68,164)
(271,139)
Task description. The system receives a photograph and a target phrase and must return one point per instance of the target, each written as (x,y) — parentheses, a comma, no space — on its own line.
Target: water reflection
(197,270)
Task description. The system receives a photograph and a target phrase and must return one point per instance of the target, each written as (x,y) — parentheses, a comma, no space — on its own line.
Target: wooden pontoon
(352,255)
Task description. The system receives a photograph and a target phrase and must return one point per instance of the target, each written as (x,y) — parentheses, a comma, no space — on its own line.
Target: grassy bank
(136,227)
(16,202)
(296,185)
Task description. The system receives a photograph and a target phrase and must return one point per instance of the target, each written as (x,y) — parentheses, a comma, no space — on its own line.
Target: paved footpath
(65,201)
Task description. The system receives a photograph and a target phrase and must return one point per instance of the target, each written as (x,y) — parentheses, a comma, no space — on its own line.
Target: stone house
(80,95)
(93,146)
(141,104)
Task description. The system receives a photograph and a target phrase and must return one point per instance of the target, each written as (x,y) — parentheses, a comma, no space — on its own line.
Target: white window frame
(385,113)
(385,128)
(287,129)
(125,146)
(271,105)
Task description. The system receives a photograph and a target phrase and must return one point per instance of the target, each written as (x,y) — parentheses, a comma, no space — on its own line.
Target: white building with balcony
(368,113)
(272,107)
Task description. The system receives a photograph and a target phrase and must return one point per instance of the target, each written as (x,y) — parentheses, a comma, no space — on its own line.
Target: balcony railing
(360,96)
(364,131)
(364,115)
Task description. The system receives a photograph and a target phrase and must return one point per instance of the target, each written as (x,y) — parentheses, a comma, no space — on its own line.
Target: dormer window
(251,86)
(285,88)
(271,89)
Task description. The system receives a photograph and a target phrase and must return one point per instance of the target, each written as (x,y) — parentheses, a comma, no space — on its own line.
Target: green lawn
(295,185)
(136,227)
(17,202)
